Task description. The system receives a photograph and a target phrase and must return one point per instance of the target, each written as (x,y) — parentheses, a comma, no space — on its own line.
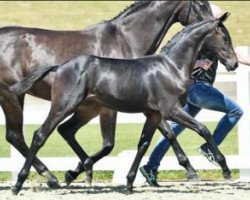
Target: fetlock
(88,165)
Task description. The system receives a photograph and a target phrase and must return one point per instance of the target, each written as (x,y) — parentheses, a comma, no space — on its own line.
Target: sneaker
(208,154)
(150,175)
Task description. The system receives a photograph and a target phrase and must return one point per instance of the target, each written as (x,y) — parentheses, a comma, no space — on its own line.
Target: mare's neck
(145,28)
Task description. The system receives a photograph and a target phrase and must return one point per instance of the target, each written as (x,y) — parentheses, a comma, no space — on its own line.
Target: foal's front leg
(186,120)
(181,156)
(151,124)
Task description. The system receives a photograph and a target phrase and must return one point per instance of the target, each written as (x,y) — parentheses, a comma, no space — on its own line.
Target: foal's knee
(143,145)
(38,139)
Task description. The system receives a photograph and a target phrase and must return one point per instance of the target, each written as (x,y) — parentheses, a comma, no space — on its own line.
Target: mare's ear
(223,18)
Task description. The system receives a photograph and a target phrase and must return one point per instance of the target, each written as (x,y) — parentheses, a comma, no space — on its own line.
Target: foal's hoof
(227,176)
(68,178)
(53,184)
(129,191)
(15,190)
(192,176)
(88,165)
(89,177)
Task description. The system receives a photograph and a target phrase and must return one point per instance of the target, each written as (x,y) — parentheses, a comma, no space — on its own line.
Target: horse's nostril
(236,65)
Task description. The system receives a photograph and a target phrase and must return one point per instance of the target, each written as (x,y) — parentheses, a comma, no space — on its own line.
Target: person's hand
(204,64)
(242,54)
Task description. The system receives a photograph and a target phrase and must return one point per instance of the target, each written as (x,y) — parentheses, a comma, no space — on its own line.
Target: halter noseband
(197,14)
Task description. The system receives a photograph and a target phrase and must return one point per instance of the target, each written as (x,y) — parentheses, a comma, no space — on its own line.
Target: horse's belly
(123,105)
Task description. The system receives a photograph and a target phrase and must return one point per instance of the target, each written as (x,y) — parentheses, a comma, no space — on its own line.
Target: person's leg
(212,99)
(149,170)
(163,144)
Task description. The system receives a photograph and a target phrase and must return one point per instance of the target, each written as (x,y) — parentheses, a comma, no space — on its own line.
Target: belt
(193,81)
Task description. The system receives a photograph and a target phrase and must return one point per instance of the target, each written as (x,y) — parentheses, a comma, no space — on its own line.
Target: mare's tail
(25,84)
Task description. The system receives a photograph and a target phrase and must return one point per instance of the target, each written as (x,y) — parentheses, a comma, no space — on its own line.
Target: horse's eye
(203,7)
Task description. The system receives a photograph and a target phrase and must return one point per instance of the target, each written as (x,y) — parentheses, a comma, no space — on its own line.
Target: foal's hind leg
(181,156)
(68,129)
(13,110)
(184,119)
(61,107)
(108,122)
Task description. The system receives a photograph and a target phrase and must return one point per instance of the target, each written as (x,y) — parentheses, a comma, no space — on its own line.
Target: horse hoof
(15,190)
(227,176)
(88,165)
(129,191)
(89,179)
(68,178)
(53,184)
(192,176)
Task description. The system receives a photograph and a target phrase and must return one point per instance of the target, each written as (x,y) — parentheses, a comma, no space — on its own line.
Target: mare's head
(221,43)
(194,11)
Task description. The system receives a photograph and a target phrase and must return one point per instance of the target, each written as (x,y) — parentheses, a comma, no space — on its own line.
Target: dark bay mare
(152,85)
(135,32)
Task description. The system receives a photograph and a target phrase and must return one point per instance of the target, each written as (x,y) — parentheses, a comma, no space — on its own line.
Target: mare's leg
(13,110)
(180,154)
(181,117)
(149,128)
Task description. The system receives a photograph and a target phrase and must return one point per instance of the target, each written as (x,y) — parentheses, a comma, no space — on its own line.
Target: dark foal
(135,32)
(152,85)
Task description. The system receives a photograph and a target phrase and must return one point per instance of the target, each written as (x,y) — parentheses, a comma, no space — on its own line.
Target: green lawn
(127,137)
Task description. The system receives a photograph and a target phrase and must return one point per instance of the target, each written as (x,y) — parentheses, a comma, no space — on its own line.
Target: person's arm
(243,55)
(203,63)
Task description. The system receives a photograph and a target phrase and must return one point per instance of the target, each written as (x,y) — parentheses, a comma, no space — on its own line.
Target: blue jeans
(201,95)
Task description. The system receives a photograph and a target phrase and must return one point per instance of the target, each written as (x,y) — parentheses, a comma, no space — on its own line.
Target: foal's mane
(179,37)
(131,9)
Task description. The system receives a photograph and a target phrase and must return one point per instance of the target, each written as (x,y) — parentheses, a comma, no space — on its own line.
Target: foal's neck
(184,50)
(145,27)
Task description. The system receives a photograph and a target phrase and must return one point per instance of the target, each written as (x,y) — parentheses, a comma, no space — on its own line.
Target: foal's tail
(25,84)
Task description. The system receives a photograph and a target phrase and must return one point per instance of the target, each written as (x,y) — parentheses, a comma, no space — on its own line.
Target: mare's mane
(131,9)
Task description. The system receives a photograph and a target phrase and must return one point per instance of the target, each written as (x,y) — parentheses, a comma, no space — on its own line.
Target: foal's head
(221,43)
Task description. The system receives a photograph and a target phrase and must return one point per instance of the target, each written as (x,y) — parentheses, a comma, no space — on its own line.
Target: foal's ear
(223,18)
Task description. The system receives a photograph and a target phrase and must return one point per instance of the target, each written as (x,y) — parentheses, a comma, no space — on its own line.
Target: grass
(90,138)
(127,136)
